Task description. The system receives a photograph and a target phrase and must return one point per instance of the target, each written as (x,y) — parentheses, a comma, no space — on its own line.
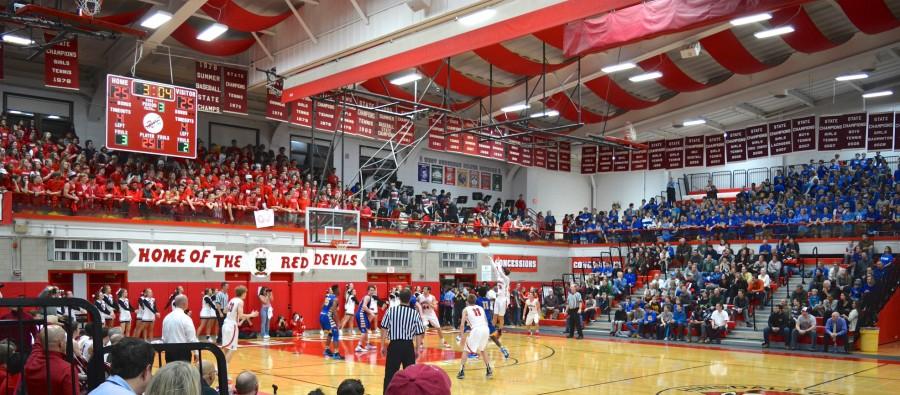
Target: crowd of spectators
(818,199)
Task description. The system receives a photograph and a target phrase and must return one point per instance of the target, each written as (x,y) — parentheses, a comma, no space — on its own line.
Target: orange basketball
(485,242)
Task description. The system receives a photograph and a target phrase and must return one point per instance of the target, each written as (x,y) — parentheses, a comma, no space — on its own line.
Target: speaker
(477,196)
(462,199)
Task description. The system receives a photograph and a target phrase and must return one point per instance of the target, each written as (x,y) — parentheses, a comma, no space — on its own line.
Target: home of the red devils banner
(517,263)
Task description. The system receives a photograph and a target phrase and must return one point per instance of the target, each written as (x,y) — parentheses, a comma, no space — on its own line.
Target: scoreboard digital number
(151,118)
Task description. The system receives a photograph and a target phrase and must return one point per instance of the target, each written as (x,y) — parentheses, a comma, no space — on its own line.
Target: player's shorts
(362,321)
(532,318)
(327,322)
(430,319)
(477,339)
(500,306)
(230,335)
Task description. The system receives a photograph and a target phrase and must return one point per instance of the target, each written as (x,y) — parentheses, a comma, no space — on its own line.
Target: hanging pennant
(276,110)
(208,81)
(235,97)
(61,63)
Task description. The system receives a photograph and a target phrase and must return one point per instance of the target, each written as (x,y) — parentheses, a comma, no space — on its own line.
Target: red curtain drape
(869,16)
(728,51)
(458,82)
(383,87)
(554,36)
(128,17)
(569,110)
(511,62)
(230,14)
(187,35)
(609,90)
(672,76)
(652,19)
(807,37)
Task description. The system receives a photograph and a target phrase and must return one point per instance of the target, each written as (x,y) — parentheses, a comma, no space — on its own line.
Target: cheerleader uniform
(350,304)
(208,311)
(105,313)
(149,305)
(110,305)
(125,309)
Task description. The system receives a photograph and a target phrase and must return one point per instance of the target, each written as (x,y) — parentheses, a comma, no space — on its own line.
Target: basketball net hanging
(88,7)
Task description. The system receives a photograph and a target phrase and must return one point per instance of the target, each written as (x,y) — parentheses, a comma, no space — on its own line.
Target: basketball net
(339,244)
(88,7)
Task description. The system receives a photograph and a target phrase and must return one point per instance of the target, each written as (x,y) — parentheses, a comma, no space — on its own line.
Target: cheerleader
(208,318)
(148,315)
(125,309)
(178,291)
(105,310)
(349,308)
(106,290)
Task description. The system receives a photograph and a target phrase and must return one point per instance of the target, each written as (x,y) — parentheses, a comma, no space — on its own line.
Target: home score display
(149,117)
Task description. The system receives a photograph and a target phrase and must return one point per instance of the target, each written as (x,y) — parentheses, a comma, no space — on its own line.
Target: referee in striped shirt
(401,325)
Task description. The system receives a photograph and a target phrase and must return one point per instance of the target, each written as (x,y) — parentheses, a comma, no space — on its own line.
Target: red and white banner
(620,160)
(657,155)
(61,63)
(693,151)
(715,150)
(780,138)
(604,159)
(736,145)
(757,141)
(565,156)
(208,82)
(588,159)
(518,263)
(803,131)
(675,153)
(301,112)
(235,98)
(259,261)
(1,61)
(276,110)
(638,160)
(881,131)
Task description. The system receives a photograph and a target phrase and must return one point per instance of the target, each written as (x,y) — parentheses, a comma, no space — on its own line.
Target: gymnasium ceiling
(781,76)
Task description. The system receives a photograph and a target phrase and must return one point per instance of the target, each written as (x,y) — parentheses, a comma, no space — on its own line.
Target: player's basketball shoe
(505,352)
(337,356)
(328,353)
(461,375)
(490,373)
(360,349)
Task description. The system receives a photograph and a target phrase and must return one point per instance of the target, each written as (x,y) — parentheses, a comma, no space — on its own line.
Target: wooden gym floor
(555,365)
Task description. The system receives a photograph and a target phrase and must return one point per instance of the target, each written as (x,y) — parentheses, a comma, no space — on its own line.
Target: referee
(401,324)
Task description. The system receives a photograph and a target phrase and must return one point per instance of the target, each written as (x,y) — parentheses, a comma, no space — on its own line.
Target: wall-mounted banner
(585,263)
(518,263)
(259,261)
(424,172)
(61,63)
(235,91)
(715,150)
(208,81)
(276,110)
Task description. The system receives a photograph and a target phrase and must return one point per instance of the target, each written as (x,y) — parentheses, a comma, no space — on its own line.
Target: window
(458,259)
(78,250)
(388,258)
(301,152)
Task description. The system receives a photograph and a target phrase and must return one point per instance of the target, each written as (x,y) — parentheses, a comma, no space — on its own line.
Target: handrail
(221,364)
(95,367)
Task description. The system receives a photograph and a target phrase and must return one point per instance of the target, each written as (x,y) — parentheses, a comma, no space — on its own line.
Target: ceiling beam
(854,85)
(359,11)
(164,5)
(801,97)
(262,46)
(714,125)
(302,22)
(751,110)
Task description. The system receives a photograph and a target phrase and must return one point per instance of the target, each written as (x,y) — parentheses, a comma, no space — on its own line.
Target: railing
(93,368)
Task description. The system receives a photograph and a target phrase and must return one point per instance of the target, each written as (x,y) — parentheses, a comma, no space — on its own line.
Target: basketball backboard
(327,227)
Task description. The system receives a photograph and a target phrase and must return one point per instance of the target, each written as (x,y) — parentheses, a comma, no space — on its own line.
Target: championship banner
(896,132)
(656,159)
(588,159)
(620,160)
(757,141)
(855,131)
(552,155)
(584,263)
(485,146)
(1,61)
(638,160)
(803,133)
(735,146)
(454,141)
(259,261)
(539,155)
(675,153)
(235,97)
(348,119)
(498,149)
(881,131)
(326,117)
(565,157)
(151,118)
(526,150)
(831,133)
(436,138)
(693,151)
(604,159)
(301,112)
(208,81)
(780,138)
(366,120)
(715,150)
(518,263)
(61,63)
(276,110)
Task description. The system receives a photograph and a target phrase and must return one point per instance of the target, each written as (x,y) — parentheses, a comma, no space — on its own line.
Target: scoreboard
(151,118)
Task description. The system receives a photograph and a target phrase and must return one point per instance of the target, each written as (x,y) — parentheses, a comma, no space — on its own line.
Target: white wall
(558,192)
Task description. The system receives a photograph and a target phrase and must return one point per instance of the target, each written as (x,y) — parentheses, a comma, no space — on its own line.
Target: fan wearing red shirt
(70,196)
(52,357)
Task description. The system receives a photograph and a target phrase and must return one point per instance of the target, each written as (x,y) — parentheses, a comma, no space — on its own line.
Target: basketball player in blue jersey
(365,315)
(488,307)
(326,318)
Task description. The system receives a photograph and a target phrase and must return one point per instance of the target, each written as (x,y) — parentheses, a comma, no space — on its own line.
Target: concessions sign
(259,261)
(517,263)
(584,263)
(61,64)
(151,118)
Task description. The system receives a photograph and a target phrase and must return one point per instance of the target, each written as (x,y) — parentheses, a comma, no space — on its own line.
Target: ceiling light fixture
(774,32)
(694,122)
(17,112)
(645,77)
(545,114)
(851,77)
(877,94)
(17,40)
(515,107)
(405,79)
(477,17)
(156,20)
(618,67)
(54,117)
(751,19)
(212,32)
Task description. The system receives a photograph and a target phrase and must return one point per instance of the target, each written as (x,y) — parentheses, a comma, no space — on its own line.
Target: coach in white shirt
(179,328)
